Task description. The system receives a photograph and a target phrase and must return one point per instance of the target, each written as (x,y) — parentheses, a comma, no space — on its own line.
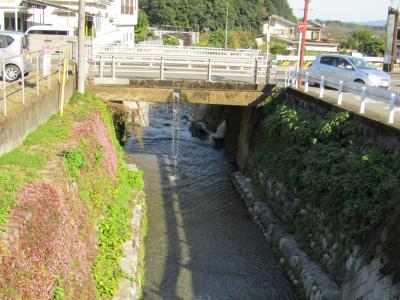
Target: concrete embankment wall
(358,272)
(26,118)
(363,278)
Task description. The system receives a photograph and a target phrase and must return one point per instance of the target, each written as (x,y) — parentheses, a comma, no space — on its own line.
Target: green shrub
(325,164)
(74,159)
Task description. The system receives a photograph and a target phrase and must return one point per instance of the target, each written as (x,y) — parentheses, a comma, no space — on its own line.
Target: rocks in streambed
(216,139)
(303,272)
(199,130)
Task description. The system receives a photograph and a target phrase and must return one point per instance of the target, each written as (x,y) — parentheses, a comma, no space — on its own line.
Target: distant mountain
(338,30)
(245,15)
(379,23)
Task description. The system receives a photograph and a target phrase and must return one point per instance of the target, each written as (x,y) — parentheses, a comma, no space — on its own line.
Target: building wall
(119,15)
(321,48)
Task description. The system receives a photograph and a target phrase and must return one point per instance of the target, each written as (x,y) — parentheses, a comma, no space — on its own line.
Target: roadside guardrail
(359,90)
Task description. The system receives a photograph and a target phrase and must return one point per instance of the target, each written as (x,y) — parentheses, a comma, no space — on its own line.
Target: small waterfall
(216,138)
(176,111)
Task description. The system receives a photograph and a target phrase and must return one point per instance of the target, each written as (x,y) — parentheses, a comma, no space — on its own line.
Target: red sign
(46,49)
(302,26)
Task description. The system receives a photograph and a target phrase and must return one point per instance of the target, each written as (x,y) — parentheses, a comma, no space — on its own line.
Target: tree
(171,41)
(278,48)
(142,27)
(246,15)
(364,41)
(217,39)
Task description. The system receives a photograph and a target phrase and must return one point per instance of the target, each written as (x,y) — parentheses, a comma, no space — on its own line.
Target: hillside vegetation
(210,14)
(340,30)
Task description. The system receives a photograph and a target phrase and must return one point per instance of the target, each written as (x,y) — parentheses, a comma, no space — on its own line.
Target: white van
(54,36)
(51,30)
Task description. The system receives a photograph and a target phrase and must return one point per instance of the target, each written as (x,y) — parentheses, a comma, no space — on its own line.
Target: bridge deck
(199,92)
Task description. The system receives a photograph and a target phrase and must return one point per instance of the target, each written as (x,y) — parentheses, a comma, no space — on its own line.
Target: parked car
(50,30)
(13,46)
(349,68)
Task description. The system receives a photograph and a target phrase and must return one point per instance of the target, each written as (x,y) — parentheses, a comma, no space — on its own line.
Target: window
(5,41)
(128,7)
(51,32)
(326,60)
(315,35)
(342,63)
(278,31)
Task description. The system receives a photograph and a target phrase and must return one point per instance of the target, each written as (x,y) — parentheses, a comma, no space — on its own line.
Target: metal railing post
(162,68)
(68,59)
(59,66)
(296,79)
(101,67)
(362,99)
(113,67)
(306,84)
(392,105)
(4,88)
(23,78)
(209,69)
(340,95)
(37,74)
(256,71)
(322,87)
(286,76)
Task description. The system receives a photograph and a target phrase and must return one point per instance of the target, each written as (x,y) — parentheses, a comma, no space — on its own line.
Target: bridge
(220,76)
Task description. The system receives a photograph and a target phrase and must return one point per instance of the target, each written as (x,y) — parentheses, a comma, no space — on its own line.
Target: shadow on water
(201,243)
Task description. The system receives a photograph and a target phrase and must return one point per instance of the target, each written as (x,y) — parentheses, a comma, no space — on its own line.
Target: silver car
(348,68)
(14,48)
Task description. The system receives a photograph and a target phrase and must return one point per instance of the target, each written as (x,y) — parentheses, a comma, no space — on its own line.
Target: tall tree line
(210,14)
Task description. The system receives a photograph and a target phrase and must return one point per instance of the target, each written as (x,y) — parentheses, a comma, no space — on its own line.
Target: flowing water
(201,242)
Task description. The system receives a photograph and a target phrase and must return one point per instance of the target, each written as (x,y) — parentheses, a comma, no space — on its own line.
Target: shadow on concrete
(201,242)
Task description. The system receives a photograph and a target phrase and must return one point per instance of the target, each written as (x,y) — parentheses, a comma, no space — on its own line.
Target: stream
(201,241)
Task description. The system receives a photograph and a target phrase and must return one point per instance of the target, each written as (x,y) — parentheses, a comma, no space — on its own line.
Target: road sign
(46,59)
(302,26)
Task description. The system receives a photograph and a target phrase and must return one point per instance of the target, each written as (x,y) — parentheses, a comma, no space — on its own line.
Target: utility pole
(303,40)
(390,57)
(226,25)
(81,47)
(16,15)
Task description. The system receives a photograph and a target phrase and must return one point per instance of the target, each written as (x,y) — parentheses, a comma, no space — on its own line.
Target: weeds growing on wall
(82,144)
(352,185)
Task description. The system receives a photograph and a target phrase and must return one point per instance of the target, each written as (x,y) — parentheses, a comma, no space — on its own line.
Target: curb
(303,272)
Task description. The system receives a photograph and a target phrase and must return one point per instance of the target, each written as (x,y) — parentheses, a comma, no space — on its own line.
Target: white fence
(358,90)
(40,77)
(162,50)
(170,62)
(312,58)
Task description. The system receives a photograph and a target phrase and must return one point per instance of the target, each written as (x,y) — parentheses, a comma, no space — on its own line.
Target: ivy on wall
(353,185)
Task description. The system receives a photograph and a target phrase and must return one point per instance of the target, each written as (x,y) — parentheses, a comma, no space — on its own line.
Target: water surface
(201,242)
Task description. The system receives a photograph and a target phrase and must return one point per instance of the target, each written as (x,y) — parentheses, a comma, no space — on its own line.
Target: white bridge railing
(359,91)
(169,62)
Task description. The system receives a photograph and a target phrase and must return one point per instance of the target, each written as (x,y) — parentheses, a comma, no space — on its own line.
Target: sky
(344,10)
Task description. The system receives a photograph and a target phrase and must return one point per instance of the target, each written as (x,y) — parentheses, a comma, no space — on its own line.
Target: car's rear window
(52,32)
(5,41)
(327,60)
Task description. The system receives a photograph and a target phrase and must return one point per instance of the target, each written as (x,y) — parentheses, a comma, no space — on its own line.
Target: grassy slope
(107,200)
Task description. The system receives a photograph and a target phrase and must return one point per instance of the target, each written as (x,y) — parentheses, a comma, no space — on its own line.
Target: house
(280,30)
(102,16)
(316,38)
(12,15)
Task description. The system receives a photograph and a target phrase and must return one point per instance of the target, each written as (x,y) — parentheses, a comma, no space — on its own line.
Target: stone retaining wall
(26,118)
(305,274)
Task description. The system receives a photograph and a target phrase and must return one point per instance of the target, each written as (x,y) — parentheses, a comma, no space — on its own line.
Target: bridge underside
(199,92)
